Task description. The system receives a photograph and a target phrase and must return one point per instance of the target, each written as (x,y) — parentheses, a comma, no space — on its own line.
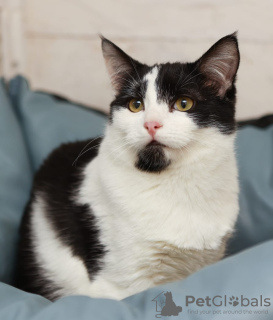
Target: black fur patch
(133,85)
(152,159)
(175,80)
(74,224)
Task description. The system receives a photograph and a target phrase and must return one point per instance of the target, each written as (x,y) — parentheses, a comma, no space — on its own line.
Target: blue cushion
(48,121)
(15,183)
(238,276)
(255,164)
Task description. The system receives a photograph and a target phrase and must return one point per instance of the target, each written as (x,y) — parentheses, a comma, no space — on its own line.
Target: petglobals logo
(165,306)
(168,306)
(227,305)
(225,301)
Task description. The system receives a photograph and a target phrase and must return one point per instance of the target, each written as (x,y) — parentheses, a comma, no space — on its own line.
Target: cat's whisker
(82,153)
(140,82)
(134,80)
(118,149)
(185,79)
(186,83)
(118,75)
(127,80)
(119,154)
(86,147)
(121,145)
(132,62)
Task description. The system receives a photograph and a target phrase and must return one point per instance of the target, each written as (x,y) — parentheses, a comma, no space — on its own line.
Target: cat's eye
(136,105)
(183,104)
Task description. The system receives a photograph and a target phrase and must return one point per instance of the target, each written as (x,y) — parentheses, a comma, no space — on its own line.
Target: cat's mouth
(152,158)
(155,143)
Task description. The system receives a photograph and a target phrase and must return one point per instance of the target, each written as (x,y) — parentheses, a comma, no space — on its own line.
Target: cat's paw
(234,301)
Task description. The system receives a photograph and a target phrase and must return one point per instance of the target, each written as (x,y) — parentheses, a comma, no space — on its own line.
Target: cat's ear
(119,64)
(220,64)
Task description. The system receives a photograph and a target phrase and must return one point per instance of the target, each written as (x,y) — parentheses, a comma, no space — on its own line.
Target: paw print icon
(234,301)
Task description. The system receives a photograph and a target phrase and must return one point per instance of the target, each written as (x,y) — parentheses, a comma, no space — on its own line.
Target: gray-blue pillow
(244,279)
(48,121)
(15,184)
(255,164)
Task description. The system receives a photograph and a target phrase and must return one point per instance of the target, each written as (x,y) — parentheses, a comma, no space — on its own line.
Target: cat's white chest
(190,211)
(138,217)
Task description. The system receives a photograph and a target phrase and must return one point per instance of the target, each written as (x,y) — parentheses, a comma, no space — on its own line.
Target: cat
(151,202)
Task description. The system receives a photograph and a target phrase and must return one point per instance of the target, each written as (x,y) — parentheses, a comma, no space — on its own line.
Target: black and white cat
(155,199)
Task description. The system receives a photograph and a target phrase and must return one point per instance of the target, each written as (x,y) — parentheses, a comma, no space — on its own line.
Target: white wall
(55,43)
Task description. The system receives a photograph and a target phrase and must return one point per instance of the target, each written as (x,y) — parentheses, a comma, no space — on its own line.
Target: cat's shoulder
(67,160)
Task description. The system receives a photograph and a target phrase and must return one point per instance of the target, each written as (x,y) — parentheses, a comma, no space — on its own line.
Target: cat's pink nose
(152,126)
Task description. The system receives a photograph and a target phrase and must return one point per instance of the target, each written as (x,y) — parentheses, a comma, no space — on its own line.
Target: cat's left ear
(220,64)
(121,67)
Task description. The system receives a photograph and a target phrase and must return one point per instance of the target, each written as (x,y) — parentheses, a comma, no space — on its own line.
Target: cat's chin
(152,158)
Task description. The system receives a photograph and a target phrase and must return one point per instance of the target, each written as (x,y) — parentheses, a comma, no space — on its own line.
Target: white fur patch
(193,204)
(154,110)
(59,264)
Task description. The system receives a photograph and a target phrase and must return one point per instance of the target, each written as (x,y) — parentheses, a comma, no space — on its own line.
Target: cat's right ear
(220,64)
(120,65)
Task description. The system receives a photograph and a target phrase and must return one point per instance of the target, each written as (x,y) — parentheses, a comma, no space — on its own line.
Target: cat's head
(161,112)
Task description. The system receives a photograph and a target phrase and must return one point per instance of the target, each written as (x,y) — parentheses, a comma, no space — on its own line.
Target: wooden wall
(55,43)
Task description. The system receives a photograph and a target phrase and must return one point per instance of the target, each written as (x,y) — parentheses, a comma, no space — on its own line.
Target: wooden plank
(71,68)
(12,40)
(150,19)
(1,44)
